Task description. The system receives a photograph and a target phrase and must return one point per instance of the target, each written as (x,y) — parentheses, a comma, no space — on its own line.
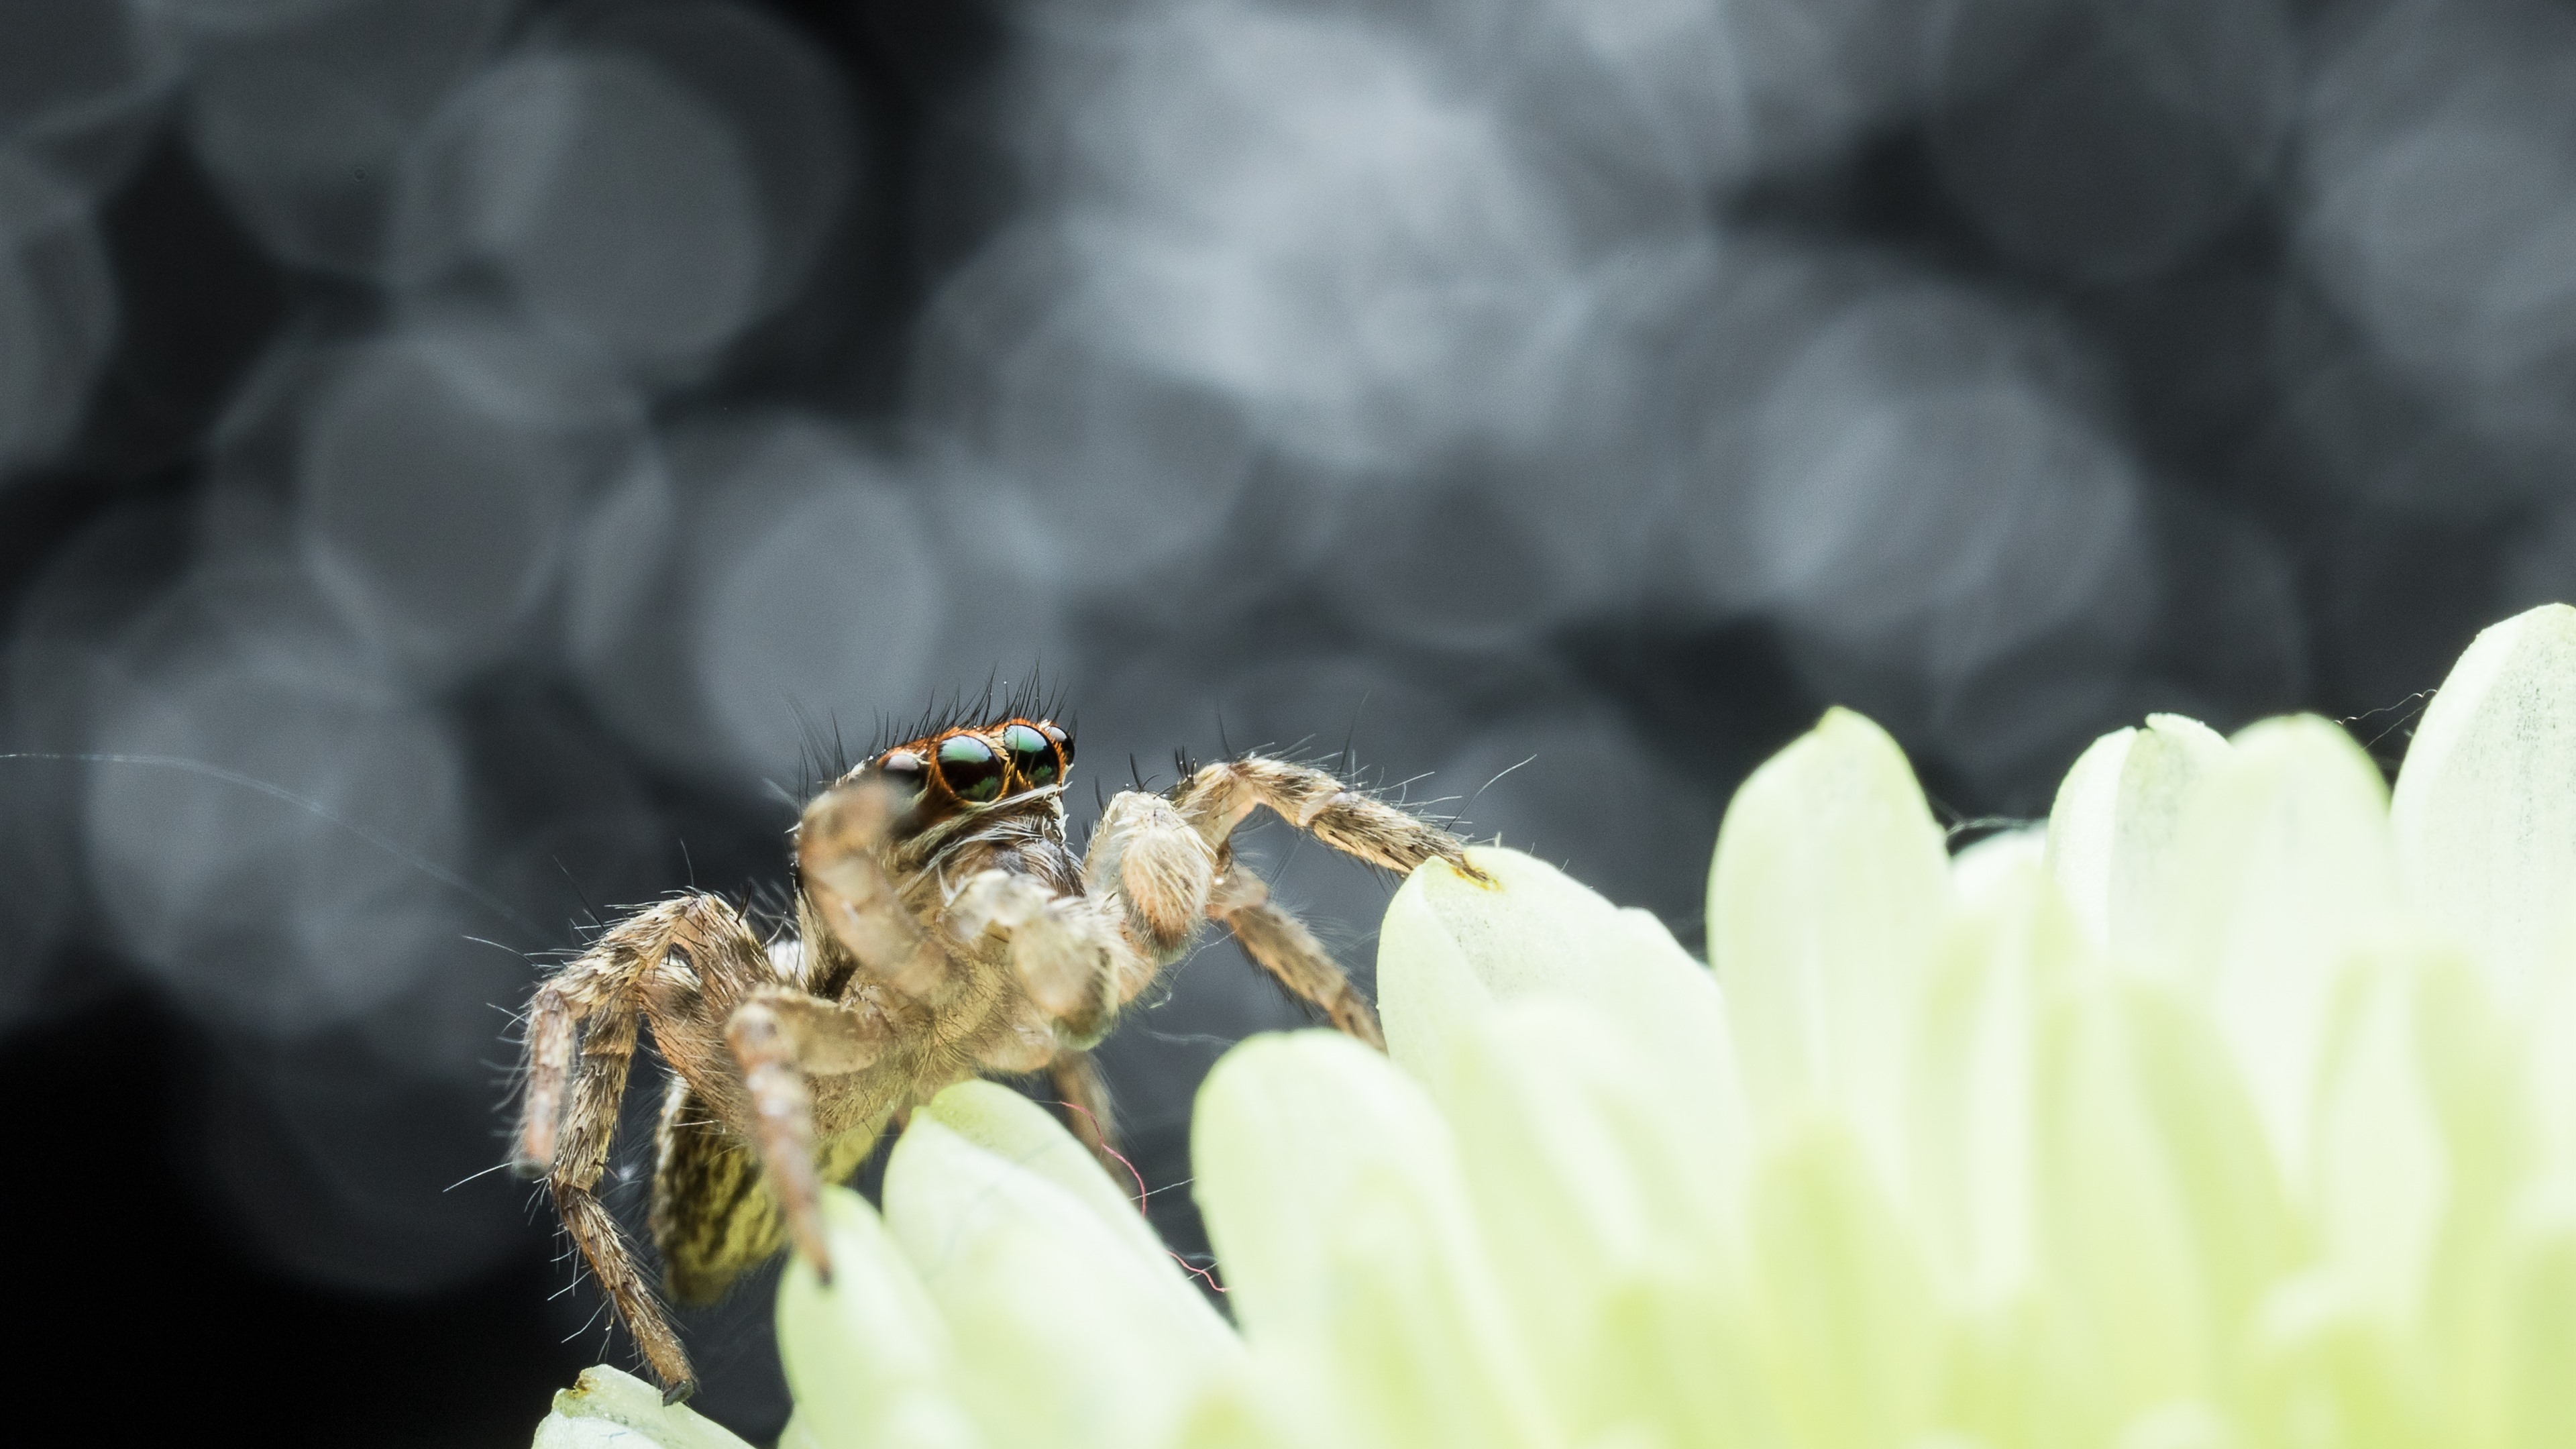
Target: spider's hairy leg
(550,1063)
(851,895)
(1217,797)
(781,1038)
(1280,944)
(607,1051)
(1085,1092)
(582,1026)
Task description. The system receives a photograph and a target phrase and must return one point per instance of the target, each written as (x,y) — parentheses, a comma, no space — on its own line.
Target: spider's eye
(904,770)
(970,768)
(1032,753)
(1063,739)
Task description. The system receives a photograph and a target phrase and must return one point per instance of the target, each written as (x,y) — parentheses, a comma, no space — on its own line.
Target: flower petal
(1065,1334)
(1609,1222)
(1851,1339)
(2485,808)
(605,1407)
(2111,831)
(1334,1201)
(1997,862)
(1021,1132)
(1451,948)
(1827,896)
(2163,1218)
(2284,871)
(2013,953)
(2185,1424)
(869,1358)
(2387,1195)
(2529,1396)
(2329,1367)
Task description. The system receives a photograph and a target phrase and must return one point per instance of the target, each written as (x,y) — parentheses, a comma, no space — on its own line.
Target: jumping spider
(944,929)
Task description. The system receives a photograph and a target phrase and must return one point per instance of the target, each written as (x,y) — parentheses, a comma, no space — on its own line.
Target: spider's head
(969,769)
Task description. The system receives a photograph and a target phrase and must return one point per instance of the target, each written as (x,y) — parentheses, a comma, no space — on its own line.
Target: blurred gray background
(529,432)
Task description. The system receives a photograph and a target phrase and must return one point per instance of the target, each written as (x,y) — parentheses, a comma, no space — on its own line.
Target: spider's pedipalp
(1146,856)
(837,846)
(1070,957)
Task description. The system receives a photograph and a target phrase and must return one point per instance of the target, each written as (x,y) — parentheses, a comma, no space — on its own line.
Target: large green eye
(1063,740)
(1033,754)
(970,768)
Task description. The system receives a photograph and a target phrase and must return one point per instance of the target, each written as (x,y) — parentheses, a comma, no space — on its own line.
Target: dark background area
(526,433)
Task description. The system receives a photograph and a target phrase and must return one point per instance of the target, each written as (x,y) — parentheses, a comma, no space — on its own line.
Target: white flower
(2237,1110)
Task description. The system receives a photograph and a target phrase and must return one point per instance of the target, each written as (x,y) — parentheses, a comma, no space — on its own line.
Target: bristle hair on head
(823,752)
(999,700)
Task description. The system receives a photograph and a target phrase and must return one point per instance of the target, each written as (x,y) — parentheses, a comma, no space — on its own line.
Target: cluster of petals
(2234,1107)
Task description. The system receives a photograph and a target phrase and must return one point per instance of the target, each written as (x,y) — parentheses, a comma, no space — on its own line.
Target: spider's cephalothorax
(944,930)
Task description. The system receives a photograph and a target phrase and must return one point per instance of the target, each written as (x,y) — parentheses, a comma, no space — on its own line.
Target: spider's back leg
(581,1045)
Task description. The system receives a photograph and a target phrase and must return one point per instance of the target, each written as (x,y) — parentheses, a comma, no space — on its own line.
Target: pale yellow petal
(2187,1424)
(2111,832)
(2520,1393)
(1609,1224)
(606,1408)
(2014,951)
(2474,1080)
(2485,807)
(2162,1215)
(2284,871)
(1452,948)
(2539,1391)
(1828,894)
(870,1359)
(1852,1340)
(2400,1100)
(1333,1198)
(2547,1036)
(1996,861)
(1019,1131)
(2328,1366)
(1065,1334)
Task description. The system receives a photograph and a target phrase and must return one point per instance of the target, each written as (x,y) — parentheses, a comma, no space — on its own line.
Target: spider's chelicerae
(944,930)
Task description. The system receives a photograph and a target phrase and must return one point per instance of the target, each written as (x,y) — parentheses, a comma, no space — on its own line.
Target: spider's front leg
(781,1039)
(1280,944)
(1217,798)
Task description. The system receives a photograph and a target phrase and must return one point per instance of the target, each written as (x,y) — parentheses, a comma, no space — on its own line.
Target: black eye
(1032,753)
(1063,740)
(906,771)
(970,767)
